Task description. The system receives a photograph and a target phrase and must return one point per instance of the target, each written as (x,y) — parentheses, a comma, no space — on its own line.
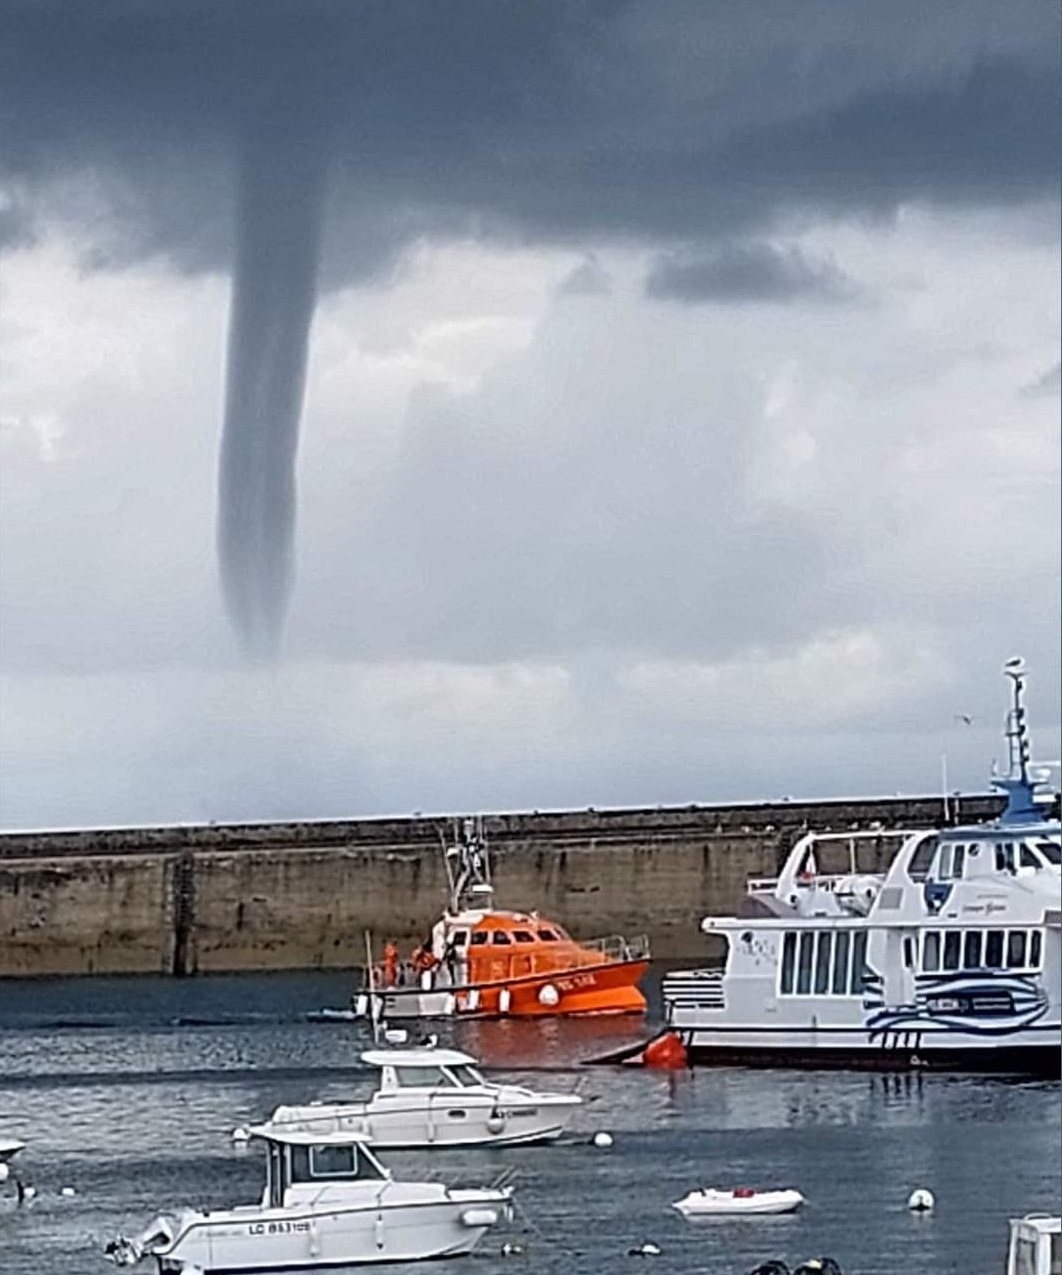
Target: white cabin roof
(295,1134)
(1042,1223)
(426,1057)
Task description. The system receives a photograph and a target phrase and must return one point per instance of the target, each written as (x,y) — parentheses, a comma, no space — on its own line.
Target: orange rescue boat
(488,962)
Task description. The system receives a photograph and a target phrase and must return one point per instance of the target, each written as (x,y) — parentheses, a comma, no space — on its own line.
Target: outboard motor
(123,1252)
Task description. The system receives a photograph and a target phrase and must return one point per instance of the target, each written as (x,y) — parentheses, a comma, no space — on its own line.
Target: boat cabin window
(952,949)
(823,955)
(479,938)
(547,936)
(1035,945)
(422,1077)
(952,862)
(909,952)
(501,939)
(859,960)
(931,950)
(994,949)
(1027,858)
(971,952)
(807,944)
(523,936)
(1016,950)
(460,938)
(332,1163)
(1005,861)
(1051,851)
(841,943)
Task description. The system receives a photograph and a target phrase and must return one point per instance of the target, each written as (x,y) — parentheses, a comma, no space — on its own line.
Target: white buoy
(602,1139)
(644,1250)
(510,1250)
(68,1192)
(240,1134)
(921,1201)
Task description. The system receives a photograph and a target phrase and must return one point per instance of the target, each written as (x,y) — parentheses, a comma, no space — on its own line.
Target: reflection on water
(133,1108)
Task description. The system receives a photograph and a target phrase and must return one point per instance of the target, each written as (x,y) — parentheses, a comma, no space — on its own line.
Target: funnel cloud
(279,204)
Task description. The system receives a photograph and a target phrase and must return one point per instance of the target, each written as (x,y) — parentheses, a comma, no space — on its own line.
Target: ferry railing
(618,947)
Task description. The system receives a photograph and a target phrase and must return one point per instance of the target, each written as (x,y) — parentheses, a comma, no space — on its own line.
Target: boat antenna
(1020,789)
(472,875)
(374,1002)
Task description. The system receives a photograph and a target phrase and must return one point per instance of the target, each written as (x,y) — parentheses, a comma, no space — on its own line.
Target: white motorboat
(10,1147)
(951,957)
(431,1097)
(711,1202)
(1035,1245)
(328,1203)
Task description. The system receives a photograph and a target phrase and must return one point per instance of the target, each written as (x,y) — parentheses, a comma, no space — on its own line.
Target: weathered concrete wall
(292,896)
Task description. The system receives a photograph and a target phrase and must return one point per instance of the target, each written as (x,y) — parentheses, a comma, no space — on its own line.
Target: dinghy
(711,1202)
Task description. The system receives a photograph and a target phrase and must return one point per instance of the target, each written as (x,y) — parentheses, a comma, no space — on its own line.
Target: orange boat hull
(594,989)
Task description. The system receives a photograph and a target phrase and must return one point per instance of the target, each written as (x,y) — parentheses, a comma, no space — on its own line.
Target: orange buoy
(667,1052)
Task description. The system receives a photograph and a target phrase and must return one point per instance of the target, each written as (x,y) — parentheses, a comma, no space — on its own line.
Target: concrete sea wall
(186,900)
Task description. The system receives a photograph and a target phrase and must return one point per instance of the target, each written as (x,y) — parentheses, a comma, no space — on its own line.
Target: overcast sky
(681,401)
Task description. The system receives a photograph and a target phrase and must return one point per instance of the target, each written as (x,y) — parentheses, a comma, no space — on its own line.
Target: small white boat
(1035,1245)
(328,1203)
(711,1202)
(10,1147)
(431,1097)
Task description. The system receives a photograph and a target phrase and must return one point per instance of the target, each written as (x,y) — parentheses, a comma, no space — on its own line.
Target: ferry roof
(294,1135)
(417,1058)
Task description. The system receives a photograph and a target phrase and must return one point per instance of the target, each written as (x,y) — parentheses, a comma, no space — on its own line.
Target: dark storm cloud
(747,272)
(665,121)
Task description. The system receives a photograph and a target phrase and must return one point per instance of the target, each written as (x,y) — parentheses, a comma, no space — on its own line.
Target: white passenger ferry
(949,955)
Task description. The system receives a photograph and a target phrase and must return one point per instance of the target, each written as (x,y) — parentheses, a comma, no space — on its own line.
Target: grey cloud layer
(667,121)
(747,272)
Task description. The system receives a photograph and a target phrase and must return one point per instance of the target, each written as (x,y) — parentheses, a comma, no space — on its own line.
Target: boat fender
(505,1000)
(602,1139)
(495,1122)
(479,1217)
(548,995)
(378,1231)
(667,1052)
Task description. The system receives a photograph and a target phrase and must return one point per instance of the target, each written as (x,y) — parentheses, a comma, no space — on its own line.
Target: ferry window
(971,956)
(859,959)
(823,952)
(952,946)
(502,939)
(1026,858)
(1051,850)
(1016,950)
(807,942)
(909,952)
(422,1077)
(944,871)
(994,949)
(547,936)
(841,943)
(479,938)
(1035,943)
(467,1075)
(931,950)
(999,858)
(460,938)
(788,963)
(957,862)
(523,936)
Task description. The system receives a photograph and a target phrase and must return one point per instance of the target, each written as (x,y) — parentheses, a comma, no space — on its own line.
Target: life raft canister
(666,1052)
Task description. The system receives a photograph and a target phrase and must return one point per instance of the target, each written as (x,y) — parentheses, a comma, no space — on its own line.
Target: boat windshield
(466,1075)
(1051,850)
(424,1078)
(331,1163)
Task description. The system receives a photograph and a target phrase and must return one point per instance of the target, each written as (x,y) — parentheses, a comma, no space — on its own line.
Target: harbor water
(126,1092)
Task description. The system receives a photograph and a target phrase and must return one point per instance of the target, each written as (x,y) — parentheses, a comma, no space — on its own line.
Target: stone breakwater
(243,897)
